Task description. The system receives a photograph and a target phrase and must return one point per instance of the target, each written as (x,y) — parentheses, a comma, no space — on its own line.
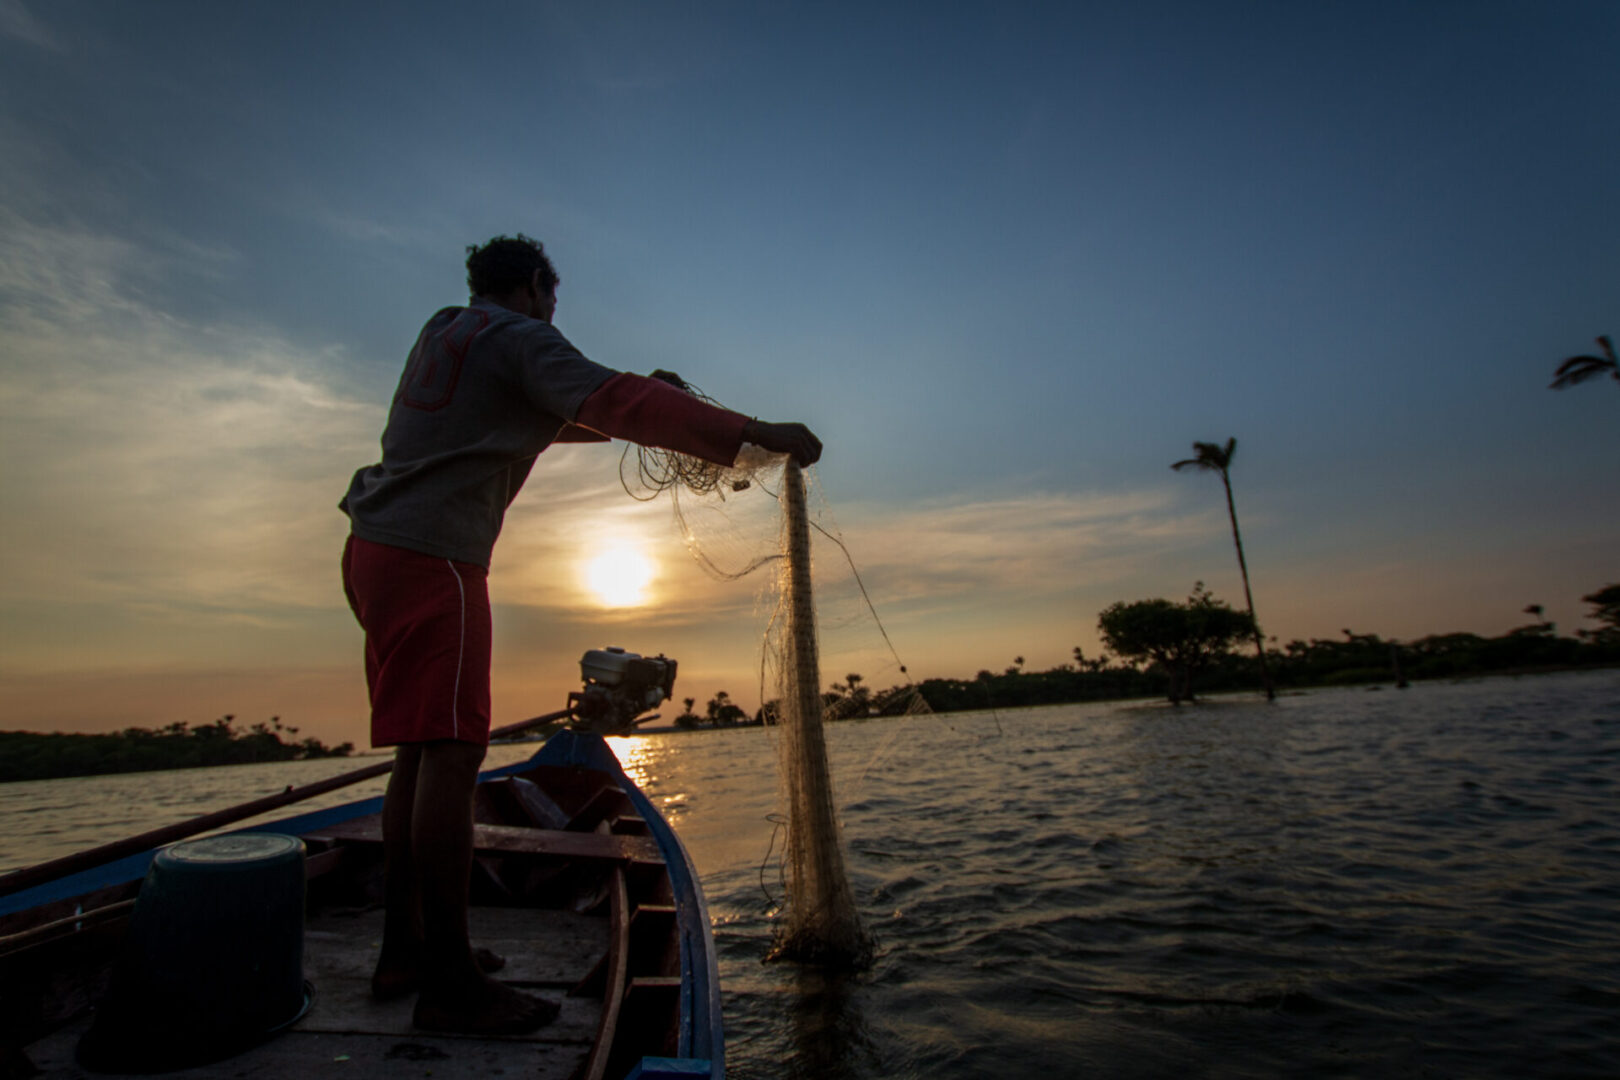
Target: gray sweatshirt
(484,391)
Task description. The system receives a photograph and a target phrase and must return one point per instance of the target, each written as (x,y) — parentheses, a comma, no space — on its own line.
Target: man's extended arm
(653,412)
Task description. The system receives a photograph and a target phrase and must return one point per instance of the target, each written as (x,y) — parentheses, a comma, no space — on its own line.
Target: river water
(1344,883)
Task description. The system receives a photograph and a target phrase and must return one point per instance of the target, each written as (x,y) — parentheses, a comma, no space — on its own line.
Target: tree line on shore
(30,755)
(1176,650)
(1172,650)
(1161,648)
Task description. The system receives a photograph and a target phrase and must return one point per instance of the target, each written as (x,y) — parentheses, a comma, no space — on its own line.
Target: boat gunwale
(700,1033)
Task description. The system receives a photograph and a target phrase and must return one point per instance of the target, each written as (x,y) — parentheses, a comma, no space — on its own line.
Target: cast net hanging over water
(822,926)
(819,924)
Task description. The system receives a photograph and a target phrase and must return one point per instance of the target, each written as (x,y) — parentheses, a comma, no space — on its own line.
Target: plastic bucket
(213,962)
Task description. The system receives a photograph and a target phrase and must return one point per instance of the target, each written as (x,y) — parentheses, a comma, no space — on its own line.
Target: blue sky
(1009,261)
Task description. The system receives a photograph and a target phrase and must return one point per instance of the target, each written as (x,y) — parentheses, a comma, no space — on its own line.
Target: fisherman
(486,388)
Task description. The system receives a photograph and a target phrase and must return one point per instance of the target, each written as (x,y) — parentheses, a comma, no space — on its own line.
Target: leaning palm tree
(1578,369)
(1218,459)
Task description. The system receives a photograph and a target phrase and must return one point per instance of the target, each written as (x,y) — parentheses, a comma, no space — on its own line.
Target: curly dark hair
(507,263)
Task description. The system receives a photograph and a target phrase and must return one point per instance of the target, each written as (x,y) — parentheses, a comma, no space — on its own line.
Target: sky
(1009,261)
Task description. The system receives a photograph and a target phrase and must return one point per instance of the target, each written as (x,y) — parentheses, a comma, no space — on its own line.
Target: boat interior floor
(346,1033)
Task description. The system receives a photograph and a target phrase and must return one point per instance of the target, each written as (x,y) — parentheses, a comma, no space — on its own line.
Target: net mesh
(733,526)
(822,925)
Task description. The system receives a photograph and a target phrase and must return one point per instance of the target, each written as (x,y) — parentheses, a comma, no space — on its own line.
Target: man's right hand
(794,439)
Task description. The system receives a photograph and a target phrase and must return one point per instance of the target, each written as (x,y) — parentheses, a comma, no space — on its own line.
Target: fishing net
(736,520)
(822,926)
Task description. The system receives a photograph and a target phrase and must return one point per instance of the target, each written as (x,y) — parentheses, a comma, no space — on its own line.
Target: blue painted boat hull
(624,839)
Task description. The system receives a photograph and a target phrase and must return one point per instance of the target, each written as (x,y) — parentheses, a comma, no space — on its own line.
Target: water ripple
(1338,885)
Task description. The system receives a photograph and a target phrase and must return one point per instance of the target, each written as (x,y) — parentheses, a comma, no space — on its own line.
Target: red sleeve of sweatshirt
(654,413)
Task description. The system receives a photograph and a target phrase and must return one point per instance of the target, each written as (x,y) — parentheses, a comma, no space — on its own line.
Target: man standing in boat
(486,388)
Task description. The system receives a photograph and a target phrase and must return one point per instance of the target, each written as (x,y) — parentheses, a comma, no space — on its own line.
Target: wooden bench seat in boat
(519,840)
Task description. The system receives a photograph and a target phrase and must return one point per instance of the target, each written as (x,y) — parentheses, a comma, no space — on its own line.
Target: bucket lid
(235,850)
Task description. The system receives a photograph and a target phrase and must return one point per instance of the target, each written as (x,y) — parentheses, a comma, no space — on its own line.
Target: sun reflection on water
(635,756)
(642,759)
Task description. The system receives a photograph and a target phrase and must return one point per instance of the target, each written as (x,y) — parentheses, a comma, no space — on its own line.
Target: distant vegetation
(1211,457)
(1578,369)
(1181,640)
(1166,649)
(1157,665)
(721,711)
(27,755)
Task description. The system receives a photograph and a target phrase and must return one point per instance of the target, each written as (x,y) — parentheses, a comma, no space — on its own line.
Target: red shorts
(428,636)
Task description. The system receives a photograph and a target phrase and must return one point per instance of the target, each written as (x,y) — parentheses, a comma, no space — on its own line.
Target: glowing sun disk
(618,576)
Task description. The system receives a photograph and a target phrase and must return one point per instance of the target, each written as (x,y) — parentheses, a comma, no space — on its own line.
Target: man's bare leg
(399,966)
(456,995)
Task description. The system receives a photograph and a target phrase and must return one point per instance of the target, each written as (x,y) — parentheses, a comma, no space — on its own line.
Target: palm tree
(1214,458)
(1578,369)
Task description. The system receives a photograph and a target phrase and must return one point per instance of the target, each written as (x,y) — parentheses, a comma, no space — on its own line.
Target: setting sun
(618,576)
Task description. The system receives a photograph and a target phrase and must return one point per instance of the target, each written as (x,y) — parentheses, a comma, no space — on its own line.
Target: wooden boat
(578,882)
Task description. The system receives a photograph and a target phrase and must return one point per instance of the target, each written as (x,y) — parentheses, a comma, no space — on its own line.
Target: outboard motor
(619,687)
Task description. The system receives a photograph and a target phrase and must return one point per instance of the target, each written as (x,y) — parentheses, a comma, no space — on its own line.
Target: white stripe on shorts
(461,652)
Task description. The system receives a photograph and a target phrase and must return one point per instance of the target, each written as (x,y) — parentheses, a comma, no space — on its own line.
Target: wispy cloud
(159,467)
(1029,544)
(929,555)
(18,22)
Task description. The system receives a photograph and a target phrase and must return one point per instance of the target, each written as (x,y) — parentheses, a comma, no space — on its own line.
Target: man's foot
(400,976)
(493,1009)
